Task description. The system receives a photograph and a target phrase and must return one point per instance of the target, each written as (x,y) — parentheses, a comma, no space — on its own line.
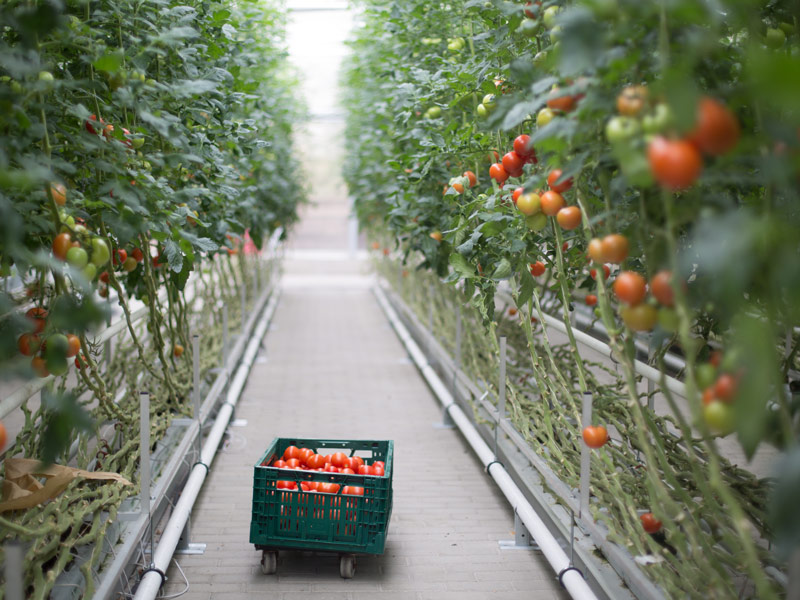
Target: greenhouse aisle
(332,367)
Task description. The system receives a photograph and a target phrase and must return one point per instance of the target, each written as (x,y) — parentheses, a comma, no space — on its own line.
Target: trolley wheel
(269,562)
(347,566)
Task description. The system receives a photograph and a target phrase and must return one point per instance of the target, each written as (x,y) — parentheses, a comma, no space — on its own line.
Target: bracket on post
(522,537)
(185,546)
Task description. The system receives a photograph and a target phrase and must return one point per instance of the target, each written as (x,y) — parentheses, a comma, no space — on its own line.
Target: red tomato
(473,180)
(498,173)
(329,468)
(717,129)
(327,487)
(120,256)
(358,462)
(137,254)
(293,463)
(569,217)
(552,202)
(61,244)
(726,387)
(595,436)
(661,288)
(347,471)
(309,486)
(352,490)
(316,461)
(561,102)
(650,523)
(291,452)
(537,268)
(562,187)
(74,345)
(365,470)
(279,464)
(4,438)
(286,485)
(38,318)
(590,299)
(377,471)
(340,459)
(595,250)
(614,248)
(379,463)
(305,454)
(675,164)
(512,163)
(523,147)
(516,194)
(630,287)
(39,366)
(29,344)
(606,272)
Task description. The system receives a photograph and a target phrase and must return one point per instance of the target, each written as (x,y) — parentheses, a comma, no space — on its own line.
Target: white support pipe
(151,581)
(572,579)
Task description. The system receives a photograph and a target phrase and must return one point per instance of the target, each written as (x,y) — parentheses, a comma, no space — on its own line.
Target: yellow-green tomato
(549,16)
(544,117)
(641,317)
(100,253)
(719,417)
(529,204)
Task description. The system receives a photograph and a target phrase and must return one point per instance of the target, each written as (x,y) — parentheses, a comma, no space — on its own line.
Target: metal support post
(651,385)
(501,392)
(144,452)
(225,336)
(185,546)
(585,460)
(522,537)
(196,389)
(13,570)
(243,295)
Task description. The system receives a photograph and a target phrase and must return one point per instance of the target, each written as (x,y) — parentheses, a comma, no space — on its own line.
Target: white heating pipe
(572,579)
(151,580)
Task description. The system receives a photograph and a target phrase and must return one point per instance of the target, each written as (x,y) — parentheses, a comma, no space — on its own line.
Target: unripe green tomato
(705,374)
(668,319)
(621,129)
(46,76)
(77,257)
(787,28)
(482,111)
(605,9)
(55,354)
(528,28)
(100,253)
(555,34)
(719,417)
(150,82)
(489,102)
(137,142)
(146,300)
(90,271)
(539,58)
(536,222)
(16,87)
(775,38)
(658,120)
(549,16)
(81,230)
(544,117)
(434,112)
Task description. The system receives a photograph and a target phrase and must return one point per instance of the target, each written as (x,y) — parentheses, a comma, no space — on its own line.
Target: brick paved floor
(335,368)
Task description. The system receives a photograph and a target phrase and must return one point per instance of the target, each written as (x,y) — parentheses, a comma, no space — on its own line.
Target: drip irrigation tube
(152,579)
(570,577)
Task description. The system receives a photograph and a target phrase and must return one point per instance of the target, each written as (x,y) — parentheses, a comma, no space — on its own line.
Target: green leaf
(109,62)
(174,255)
(461,266)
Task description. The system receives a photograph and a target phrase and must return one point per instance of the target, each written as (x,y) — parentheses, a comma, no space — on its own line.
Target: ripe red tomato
(591,300)
(523,148)
(73,345)
(630,287)
(293,463)
(38,318)
(595,436)
(39,366)
(315,461)
(59,193)
(286,485)
(356,462)
(512,311)
(552,202)
(309,486)
(120,256)
(537,268)
(365,470)
(726,387)
(498,173)
(562,102)
(377,471)
(675,164)
(4,438)
(329,468)
(305,454)
(379,464)
(327,487)
(661,288)
(61,245)
(340,459)
(137,254)
(631,99)
(614,248)
(91,121)
(347,471)
(606,273)
(29,344)
(291,452)
(516,194)
(717,128)
(553,177)
(650,523)
(473,180)
(708,396)
(513,163)
(569,217)
(352,490)
(279,464)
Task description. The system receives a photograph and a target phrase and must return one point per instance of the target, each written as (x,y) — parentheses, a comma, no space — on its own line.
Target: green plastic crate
(294,519)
